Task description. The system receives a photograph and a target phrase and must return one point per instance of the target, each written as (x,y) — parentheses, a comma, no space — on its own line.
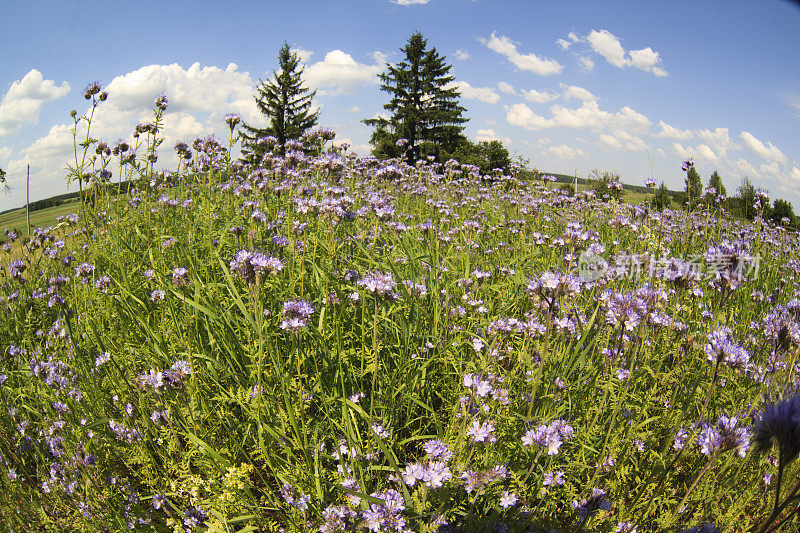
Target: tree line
(426,121)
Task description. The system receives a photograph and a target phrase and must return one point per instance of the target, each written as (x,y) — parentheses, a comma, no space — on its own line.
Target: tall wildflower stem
(674,461)
(374,356)
(694,484)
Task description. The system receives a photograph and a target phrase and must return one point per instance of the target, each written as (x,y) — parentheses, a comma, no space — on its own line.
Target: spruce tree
(694,186)
(424,106)
(285,103)
(716,181)
(662,198)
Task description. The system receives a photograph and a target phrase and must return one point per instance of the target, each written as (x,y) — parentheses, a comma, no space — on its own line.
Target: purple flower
(482,432)
(436,449)
(378,283)
(180,277)
(508,499)
(296,314)
(780,423)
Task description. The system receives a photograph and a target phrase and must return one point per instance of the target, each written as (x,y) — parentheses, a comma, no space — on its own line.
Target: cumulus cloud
(719,139)
(669,132)
(302,54)
(579,93)
(608,45)
(521,115)
(563,43)
(461,55)
(484,94)
(505,87)
(587,116)
(565,152)
(410,2)
(767,151)
(586,63)
(23,102)
(795,175)
(339,73)
(539,97)
(701,152)
(530,62)
(199,97)
(486,135)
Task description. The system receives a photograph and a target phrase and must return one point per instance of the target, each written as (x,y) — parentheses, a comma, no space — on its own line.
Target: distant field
(44,217)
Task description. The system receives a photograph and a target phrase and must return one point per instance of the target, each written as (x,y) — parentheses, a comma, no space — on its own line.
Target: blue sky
(571,86)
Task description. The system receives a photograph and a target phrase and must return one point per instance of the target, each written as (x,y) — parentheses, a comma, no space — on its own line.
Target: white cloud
(566,152)
(24,99)
(770,169)
(744,168)
(303,55)
(608,45)
(579,93)
(521,115)
(587,116)
(574,37)
(795,175)
(339,73)
(484,94)
(701,152)
(586,63)
(530,62)
(539,97)
(609,141)
(354,109)
(631,142)
(563,44)
(704,152)
(768,151)
(461,55)
(198,96)
(669,132)
(410,2)
(505,87)
(487,135)
(719,139)
(5,153)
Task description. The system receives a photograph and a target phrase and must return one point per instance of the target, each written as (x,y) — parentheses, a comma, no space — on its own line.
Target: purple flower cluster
(724,436)
(296,314)
(254,266)
(720,347)
(780,423)
(478,480)
(550,436)
(378,283)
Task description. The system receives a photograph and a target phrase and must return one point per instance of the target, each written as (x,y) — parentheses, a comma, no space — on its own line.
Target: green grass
(16,220)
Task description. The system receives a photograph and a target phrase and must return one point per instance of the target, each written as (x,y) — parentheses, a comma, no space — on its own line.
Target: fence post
(28,200)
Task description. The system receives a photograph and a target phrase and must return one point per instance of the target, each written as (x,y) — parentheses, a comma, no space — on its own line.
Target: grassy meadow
(327,343)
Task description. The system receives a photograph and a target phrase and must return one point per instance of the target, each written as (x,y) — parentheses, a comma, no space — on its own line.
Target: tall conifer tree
(285,103)
(424,106)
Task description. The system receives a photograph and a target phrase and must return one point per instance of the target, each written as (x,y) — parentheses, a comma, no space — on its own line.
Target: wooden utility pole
(28,200)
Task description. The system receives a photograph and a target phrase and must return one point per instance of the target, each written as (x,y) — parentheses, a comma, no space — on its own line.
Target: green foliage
(487,156)
(286,104)
(747,198)
(781,212)
(662,198)
(606,185)
(424,106)
(716,181)
(694,186)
